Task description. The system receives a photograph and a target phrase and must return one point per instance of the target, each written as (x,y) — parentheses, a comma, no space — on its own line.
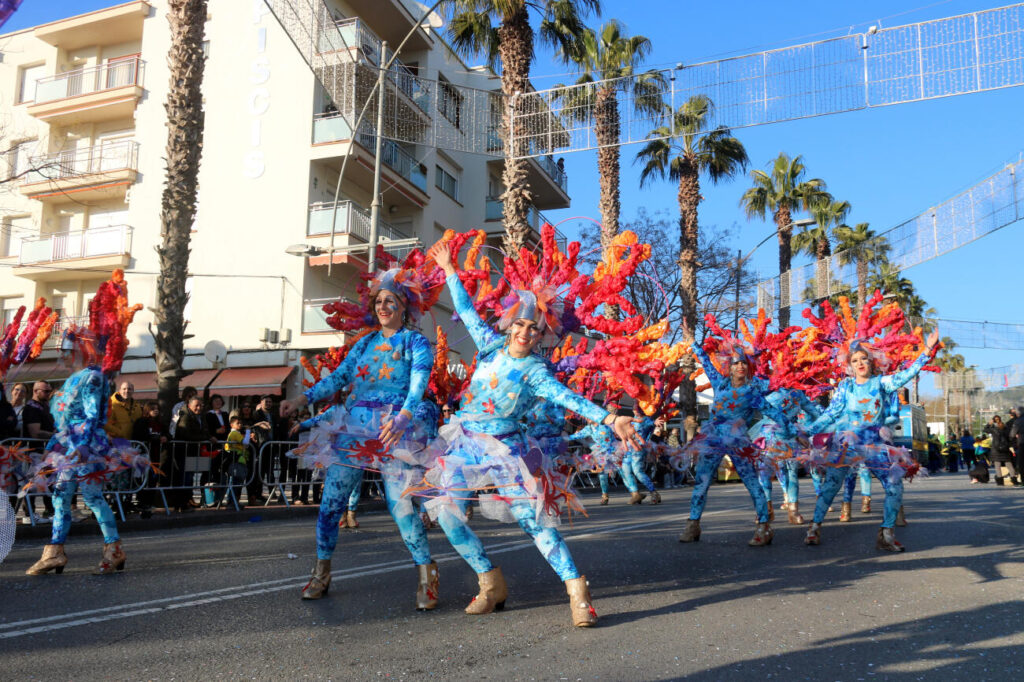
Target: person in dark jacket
(967,449)
(191,428)
(149,429)
(1016,436)
(1000,451)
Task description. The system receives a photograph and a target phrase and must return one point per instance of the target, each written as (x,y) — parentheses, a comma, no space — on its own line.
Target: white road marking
(92,616)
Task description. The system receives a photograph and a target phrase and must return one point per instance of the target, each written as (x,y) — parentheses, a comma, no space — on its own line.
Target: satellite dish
(432,19)
(216,352)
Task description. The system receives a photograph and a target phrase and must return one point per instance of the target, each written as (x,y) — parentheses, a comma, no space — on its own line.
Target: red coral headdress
(17,348)
(447,386)
(756,345)
(880,333)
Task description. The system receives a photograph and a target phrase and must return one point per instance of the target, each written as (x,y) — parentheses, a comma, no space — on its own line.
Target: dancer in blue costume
(484,444)
(778,453)
(633,464)
(861,408)
(605,457)
(737,397)
(388,370)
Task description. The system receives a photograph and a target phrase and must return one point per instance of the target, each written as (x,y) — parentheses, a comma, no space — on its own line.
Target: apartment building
(82,115)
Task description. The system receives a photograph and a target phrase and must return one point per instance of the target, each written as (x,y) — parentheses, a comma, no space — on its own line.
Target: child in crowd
(237,448)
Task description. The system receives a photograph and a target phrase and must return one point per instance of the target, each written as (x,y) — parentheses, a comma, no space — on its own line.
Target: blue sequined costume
(387,374)
(857,416)
(780,455)
(485,446)
(725,433)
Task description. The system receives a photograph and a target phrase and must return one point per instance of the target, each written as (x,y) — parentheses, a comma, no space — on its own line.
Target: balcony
(398,159)
(393,19)
(549,184)
(65,255)
(100,93)
(331,127)
(63,325)
(314,319)
(351,219)
(494,213)
(110,26)
(95,173)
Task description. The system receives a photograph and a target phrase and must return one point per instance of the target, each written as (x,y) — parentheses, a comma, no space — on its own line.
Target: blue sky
(890,163)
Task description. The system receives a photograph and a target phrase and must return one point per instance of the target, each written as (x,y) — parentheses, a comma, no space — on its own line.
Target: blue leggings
(357,491)
(602,478)
(633,460)
(92,493)
(626,472)
(834,480)
(851,480)
(816,480)
(337,492)
(787,474)
(707,466)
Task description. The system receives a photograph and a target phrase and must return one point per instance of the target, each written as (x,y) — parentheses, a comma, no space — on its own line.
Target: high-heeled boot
(762,535)
(604,499)
(692,531)
(429,587)
(53,559)
(492,595)
(793,514)
(845,512)
(813,536)
(865,504)
(583,613)
(771,512)
(320,582)
(637,498)
(887,541)
(350,519)
(901,518)
(113,559)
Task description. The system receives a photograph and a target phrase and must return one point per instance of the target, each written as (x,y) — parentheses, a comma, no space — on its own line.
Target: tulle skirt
(75,455)
(498,470)
(729,437)
(871,446)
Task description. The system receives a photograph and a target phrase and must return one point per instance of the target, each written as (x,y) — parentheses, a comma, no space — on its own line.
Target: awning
(238,381)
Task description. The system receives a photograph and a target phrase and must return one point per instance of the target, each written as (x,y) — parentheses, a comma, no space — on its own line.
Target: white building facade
(82,115)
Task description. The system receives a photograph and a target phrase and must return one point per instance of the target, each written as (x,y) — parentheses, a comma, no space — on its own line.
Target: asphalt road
(223,602)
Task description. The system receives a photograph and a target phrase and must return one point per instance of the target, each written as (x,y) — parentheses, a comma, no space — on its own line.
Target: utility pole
(739,273)
(377,160)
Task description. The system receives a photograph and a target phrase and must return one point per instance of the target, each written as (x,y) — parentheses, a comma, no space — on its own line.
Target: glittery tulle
(873,447)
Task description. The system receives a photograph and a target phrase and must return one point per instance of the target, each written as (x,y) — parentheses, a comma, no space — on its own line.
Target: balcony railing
(364,44)
(494,211)
(115,74)
(398,159)
(107,157)
(63,325)
(331,127)
(550,166)
(351,219)
(314,319)
(64,246)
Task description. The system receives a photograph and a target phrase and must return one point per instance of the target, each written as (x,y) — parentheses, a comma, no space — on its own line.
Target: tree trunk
(823,273)
(689,199)
(784,222)
(606,129)
(184,109)
(862,282)
(516,50)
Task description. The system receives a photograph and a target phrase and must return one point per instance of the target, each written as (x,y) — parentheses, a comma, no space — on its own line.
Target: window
(446,182)
(27,85)
(449,101)
(18,158)
(10,308)
(14,230)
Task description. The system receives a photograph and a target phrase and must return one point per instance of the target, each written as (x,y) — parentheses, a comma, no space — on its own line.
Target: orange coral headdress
(447,386)
(16,348)
(105,341)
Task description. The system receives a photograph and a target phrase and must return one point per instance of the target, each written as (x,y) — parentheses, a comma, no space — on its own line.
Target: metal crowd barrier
(124,483)
(217,464)
(278,470)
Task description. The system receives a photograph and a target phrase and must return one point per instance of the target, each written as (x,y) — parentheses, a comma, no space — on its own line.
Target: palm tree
(610,57)
(782,191)
(501,31)
(950,363)
(815,241)
(890,280)
(682,154)
(184,109)
(859,244)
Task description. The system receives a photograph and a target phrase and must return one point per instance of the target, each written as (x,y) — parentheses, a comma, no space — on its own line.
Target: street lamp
(741,259)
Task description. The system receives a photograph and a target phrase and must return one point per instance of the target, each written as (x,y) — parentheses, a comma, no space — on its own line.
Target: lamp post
(740,260)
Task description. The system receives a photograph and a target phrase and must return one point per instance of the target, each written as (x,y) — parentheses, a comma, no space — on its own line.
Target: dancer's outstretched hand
(289,407)
(441,253)
(391,431)
(623,428)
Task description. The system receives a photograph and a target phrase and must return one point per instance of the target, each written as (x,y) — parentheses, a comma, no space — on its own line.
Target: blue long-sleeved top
(602,437)
(384,371)
(794,404)
(873,403)
(504,389)
(738,402)
(545,420)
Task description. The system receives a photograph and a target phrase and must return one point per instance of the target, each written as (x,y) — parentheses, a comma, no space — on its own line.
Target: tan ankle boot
(320,582)
(692,531)
(53,559)
(429,587)
(655,497)
(865,505)
(887,541)
(583,613)
(604,499)
(845,512)
(901,519)
(762,535)
(793,514)
(813,536)
(493,593)
(113,559)
(636,498)
(350,519)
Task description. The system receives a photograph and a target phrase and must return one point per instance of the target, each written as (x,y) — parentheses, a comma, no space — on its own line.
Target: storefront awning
(231,382)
